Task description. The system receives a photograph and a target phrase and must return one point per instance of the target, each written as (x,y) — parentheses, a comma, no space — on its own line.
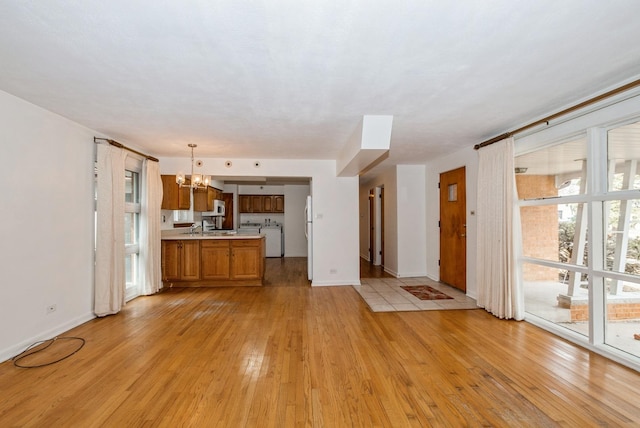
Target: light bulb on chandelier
(198,181)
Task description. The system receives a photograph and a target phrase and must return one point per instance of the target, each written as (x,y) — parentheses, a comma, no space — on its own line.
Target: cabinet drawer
(214,243)
(245,243)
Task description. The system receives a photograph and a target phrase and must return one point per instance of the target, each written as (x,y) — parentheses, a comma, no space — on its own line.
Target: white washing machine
(273,237)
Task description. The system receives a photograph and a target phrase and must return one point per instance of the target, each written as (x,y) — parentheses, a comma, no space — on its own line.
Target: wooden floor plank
(287,355)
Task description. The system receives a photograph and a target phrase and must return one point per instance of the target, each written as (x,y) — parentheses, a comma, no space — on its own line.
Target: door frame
(376,226)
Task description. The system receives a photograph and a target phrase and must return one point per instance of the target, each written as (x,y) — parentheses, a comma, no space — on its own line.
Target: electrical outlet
(333,271)
(51,308)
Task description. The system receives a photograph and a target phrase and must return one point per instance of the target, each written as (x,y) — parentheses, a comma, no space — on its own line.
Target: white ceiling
(292,79)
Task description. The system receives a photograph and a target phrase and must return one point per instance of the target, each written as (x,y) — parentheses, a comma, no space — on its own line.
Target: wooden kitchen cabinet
(247,258)
(245,203)
(203,198)
(215,256)
(174,197)
(181,260)
(257,205)
(278,203)
(267,204)
(261,203)
(213,262)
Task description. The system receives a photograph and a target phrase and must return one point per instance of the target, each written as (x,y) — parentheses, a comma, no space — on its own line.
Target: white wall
(469,159)
(412,238)
(46,224)
(335,226)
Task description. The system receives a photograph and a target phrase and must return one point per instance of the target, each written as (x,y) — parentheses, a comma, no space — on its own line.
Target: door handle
(462,235)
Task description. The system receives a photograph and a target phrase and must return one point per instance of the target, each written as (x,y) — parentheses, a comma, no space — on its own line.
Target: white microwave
(218,209)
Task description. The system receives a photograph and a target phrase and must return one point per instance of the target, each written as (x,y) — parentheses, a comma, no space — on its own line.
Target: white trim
(334,283)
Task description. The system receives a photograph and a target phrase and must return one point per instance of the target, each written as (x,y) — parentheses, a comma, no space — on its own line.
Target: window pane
(549,233)
(623,315)
(131,187)
(131,270)
(557,295)
(131,221)
(623,146)
(623,236)
(553,171)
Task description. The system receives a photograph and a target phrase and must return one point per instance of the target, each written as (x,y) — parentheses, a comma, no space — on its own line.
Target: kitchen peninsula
(212,259)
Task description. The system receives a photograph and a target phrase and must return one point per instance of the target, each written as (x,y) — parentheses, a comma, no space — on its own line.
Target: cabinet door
(267,204)
(174,197)
(170,260)
(200,200)
(227,222)
(203,199)
(190,266)
(256,204)
(215,259)
(245,203)
(245,259)
(278,203)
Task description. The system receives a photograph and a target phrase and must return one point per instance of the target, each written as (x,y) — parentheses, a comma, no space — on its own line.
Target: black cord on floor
(24,354)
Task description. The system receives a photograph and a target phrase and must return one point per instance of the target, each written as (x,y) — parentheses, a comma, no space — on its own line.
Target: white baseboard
(334,283)
(12,351)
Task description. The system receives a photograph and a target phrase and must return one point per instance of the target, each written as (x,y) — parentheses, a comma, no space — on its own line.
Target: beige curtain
(109,282)
(499,286)
(151,200)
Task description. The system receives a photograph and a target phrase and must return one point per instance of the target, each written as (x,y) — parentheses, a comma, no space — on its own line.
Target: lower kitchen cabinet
(214,256)
(247,259)
(181,260)
(213,262)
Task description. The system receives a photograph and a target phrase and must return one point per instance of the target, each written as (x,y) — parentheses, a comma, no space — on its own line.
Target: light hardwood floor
(287,355)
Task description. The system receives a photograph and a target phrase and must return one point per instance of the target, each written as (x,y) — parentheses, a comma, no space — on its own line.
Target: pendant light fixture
(198,181)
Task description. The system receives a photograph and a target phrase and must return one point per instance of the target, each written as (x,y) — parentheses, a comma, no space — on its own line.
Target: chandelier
(198,181)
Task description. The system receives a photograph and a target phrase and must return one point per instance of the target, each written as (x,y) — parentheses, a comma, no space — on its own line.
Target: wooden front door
(453,229)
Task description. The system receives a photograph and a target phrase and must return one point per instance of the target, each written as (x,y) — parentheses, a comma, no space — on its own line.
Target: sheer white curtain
(151,200)
(109,283)
(499,290)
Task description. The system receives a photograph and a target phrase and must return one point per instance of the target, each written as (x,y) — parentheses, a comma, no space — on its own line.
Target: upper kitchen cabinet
(278,203)
(203,198)
(245,203)
(261,203)
(257,206)
(174,197)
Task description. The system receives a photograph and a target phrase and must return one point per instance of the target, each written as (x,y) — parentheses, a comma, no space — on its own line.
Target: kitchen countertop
(218,234)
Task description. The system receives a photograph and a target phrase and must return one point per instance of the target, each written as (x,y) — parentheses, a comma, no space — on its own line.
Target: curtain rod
(546,120)
(116,144)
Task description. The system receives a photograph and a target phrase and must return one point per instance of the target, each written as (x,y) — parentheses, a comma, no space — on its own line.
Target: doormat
(424,292)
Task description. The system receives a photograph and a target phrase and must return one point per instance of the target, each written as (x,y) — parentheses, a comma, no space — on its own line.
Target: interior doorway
(453,229)
(376,226)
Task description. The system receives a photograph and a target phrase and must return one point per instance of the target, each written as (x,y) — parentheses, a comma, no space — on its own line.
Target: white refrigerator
(308,233)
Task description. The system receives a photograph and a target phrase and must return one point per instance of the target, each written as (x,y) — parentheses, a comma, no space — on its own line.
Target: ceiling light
(198,181)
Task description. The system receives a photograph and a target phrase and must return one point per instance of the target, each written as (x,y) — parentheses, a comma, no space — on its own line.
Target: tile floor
(385,295)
